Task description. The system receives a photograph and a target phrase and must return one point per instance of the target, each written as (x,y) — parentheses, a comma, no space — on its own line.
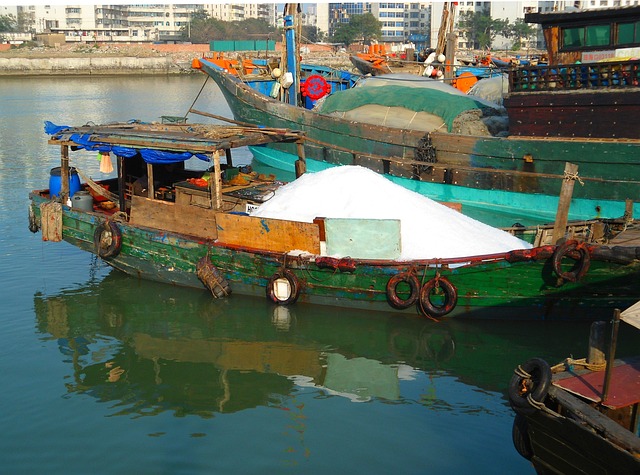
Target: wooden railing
(611,74)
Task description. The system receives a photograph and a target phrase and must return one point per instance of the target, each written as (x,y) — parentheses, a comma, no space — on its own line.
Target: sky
(428,229)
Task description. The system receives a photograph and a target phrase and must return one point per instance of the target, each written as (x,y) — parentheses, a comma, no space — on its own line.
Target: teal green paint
(363,238)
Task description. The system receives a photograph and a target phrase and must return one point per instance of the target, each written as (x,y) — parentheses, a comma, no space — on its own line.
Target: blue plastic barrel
(55,182)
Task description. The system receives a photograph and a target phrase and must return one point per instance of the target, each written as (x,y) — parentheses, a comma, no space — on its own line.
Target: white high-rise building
(126,22)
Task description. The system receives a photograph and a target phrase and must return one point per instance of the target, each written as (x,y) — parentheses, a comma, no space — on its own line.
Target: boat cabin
(591,86)
(153,187)
(588,36)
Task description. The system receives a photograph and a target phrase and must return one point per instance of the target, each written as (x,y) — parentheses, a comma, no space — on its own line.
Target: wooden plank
(269,234)
(166,216)
(363,238)
(564,203)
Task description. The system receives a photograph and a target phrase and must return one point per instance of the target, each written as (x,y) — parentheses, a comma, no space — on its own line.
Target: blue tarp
(148,155)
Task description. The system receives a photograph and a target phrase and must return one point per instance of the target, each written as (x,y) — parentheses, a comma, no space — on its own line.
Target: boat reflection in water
(156,348)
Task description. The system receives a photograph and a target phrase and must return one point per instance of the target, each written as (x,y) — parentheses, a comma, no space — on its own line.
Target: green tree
(360,28)
(519,31)
(8,23)
(312,34)
(480,29)
(203,29)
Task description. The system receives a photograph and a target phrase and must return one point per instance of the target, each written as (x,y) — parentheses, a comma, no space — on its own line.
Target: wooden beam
(151,191)
(566,192)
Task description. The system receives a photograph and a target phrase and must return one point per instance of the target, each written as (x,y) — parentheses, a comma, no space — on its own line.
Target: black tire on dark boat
(520,437)
(33,224)
(535,385)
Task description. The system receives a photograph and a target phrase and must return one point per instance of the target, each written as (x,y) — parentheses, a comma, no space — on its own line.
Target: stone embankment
(140,59)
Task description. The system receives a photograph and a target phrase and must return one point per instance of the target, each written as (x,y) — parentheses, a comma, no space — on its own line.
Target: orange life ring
(392,290)
(581,266)
(283,288)
(430,309)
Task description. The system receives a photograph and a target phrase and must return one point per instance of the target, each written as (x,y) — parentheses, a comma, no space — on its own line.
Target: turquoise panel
(223,45)
(363,238)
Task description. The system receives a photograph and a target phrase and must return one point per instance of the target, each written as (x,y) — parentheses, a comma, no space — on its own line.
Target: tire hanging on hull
(283,288)
(107,239)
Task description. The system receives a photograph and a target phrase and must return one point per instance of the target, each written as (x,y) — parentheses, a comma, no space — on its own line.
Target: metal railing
(610,74)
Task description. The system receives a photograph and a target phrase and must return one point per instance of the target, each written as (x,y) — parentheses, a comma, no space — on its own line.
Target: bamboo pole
(151,191)
(217,180)
(615,323)
(64,174)
(121,183)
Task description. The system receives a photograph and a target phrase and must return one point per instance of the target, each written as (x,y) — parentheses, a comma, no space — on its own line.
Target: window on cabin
(572,37)
(598,35)
(628,33)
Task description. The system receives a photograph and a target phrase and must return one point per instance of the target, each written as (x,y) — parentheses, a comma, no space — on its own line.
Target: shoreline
(130,59)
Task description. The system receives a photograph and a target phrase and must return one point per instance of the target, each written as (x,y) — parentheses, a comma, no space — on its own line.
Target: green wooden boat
(519,174)
(180,233)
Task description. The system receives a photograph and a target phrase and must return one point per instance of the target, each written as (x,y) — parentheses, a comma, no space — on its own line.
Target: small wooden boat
(580,416)
(374,65)
(168,227)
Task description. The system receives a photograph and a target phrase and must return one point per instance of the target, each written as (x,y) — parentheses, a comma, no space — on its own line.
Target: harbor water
(107,374)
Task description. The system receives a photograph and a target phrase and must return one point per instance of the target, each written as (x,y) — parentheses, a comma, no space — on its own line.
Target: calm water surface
(107,374)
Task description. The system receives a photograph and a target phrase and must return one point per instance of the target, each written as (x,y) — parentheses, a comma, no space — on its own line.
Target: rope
(573,176)
(567,363)
(201,89)
(521,372)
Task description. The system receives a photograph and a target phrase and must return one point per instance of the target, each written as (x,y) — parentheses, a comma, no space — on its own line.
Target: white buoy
(276,73)
(441,58)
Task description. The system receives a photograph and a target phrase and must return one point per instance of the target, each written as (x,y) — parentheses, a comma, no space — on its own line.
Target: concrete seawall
(92,66)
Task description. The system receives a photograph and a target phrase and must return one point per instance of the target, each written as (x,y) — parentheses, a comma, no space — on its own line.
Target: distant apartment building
(130,22)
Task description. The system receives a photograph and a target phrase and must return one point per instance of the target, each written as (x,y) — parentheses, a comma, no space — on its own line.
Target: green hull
(516,173)
(497,286)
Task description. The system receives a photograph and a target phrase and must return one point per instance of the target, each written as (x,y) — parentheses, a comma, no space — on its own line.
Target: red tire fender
(107,239)
(315,87)
(392,290)
(283,288)
(427,307)
(582,263)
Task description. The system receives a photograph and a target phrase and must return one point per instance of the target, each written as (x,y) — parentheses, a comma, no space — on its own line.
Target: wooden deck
(629,237)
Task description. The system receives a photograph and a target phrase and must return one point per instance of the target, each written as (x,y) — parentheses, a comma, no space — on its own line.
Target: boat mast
(290,14)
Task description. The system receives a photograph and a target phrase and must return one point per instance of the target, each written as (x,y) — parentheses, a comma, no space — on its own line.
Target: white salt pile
(428,229)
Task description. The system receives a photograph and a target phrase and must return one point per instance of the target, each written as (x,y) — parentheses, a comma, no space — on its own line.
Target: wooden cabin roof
(580,17)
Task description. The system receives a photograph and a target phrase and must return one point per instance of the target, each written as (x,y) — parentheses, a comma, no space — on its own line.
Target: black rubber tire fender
(520,437)
(294,285)
(392,290)
(450,297)
(536,385)
(107,239)
(581,266)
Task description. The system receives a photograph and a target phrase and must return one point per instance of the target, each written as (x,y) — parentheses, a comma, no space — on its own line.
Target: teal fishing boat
(163,222)
(521,173)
